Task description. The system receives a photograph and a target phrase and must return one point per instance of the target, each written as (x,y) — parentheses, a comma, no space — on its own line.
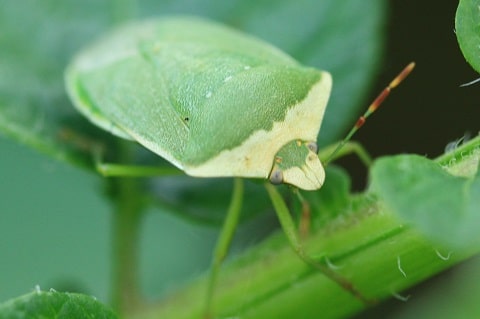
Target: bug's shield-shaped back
(209,99)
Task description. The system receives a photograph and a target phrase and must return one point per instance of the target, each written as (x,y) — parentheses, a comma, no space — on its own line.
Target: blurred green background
(54,222)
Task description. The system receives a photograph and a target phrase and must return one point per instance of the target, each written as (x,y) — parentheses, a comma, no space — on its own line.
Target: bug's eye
(276,176)
(313,147)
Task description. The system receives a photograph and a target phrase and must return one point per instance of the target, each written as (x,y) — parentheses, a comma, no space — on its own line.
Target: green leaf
(467,26)
(54,305)
(420,191)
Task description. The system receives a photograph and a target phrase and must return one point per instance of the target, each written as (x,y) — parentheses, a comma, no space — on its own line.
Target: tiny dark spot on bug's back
(186,120)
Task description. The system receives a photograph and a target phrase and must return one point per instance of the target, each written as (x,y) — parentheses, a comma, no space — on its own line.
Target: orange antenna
(373,107)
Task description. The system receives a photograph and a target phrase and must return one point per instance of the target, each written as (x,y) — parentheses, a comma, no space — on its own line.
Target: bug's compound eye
(276,176)
(312,146)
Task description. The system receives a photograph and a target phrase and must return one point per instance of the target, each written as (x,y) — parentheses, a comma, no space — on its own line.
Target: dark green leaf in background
(467,27)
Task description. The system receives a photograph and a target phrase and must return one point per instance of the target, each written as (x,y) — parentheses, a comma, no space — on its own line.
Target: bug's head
(297,164)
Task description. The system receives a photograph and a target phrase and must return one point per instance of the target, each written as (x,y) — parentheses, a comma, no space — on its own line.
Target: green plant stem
(270,281)
(369,246)
(126,297)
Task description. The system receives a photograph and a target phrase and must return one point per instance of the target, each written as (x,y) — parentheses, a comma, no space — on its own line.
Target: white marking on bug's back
(209,94)
(301,122)
(228,78)
(247,67)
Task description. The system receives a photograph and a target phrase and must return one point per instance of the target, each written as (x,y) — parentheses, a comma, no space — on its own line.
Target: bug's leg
(223,242)
(111,170)
(350,147)
(290,231)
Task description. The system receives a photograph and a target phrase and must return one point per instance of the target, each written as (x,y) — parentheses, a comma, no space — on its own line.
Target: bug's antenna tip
(410,67)
(373,107)
(400,77)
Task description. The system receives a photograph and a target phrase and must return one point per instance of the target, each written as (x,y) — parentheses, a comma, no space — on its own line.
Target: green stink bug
(213,102)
